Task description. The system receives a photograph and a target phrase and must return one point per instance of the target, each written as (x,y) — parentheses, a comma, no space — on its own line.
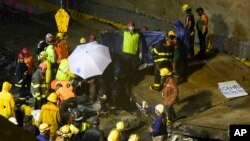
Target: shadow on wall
(220,32)
(195,103)
(237,45)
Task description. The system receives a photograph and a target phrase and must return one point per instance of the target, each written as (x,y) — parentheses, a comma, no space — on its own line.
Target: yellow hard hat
(66,132)
(171,33)
(43,54)
(82,40)
(59,35)
(43,127)
(114,135)
(164,72)
(185,7)
(120,125)
(52,97)
(134,137)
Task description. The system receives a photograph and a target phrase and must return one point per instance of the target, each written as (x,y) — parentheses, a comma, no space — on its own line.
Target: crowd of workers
(49,81)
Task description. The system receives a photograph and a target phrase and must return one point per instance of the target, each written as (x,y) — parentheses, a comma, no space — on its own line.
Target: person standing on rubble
(21,78)
(163,54)
(38,85)
(132,51)
(43,44)
(202,28)
(189,24)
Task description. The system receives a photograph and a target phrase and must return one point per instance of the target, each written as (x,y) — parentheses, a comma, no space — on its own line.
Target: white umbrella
(89,59)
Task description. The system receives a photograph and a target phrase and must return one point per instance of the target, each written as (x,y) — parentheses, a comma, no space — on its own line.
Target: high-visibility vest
(51,54)
(63,72)
(130,42)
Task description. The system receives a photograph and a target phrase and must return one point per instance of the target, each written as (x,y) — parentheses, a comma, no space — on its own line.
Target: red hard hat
(131,23)
(25,51)
(92,37)
(20,56)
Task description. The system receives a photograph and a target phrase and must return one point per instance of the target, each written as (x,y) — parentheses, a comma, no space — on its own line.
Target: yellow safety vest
(130,42)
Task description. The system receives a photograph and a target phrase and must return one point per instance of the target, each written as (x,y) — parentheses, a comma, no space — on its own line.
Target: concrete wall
(228,20)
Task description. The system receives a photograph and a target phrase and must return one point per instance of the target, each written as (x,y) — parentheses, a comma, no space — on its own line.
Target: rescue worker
(163,54)
(134,137)
(21,72)
(38,85)
(63,72)
(43,56)
(132,51)
(120,126)
(43,44)
(52,59)
(202,28)
(114,135)
(28,60)
(158,129)
(50,114)
(7,101)
(61,47)
(189,25)
(94,133)
(44,132)
(182,48)
(169,94)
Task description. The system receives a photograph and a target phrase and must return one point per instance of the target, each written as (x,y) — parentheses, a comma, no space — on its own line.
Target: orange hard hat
(53,84)
(20,56)
(25,51)
(131,23)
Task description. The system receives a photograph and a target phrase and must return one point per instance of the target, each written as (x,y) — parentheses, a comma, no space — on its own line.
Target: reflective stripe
(21,98)
(36,94)
(20,81)
(35,85)
(18,85)
(162,59)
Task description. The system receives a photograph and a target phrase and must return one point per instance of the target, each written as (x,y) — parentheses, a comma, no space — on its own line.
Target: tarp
(114,41)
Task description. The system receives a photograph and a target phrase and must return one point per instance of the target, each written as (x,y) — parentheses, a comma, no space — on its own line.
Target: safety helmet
(49,35)
(43,55)
(120,125)
(13,120)
(159,108)
(66,132)
(185,6)
(43,127)
(114,135)
(82,40)
(59,35)
(52,97)
(171,33)
(20,55)
(92,37)
(25,51)
(144,28)
(131,23)
(134,137)
(164,72)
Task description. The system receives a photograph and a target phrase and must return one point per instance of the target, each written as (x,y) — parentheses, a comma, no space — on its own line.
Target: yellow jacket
(26,110)
(51,54)
(50,114)
(63,72)
(7,102)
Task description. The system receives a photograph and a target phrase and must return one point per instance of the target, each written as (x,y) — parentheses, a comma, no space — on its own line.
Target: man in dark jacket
(27,125)
(94,133)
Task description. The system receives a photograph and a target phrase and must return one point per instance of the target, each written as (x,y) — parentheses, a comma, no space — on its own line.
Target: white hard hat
(160,108)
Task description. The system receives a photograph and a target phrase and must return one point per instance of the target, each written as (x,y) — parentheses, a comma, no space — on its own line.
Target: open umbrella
(89,59)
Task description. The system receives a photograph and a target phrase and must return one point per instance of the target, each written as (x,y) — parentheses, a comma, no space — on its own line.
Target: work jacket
(28,60)
(62,50)
(7,102)
(50,114)
(170,91)
(63,72)
(21,73)
(38,85)
(163,51)
(131,42)
(51,54)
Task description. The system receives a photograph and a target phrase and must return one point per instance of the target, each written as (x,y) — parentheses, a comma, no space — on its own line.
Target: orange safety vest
(62,50)
(28,60)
